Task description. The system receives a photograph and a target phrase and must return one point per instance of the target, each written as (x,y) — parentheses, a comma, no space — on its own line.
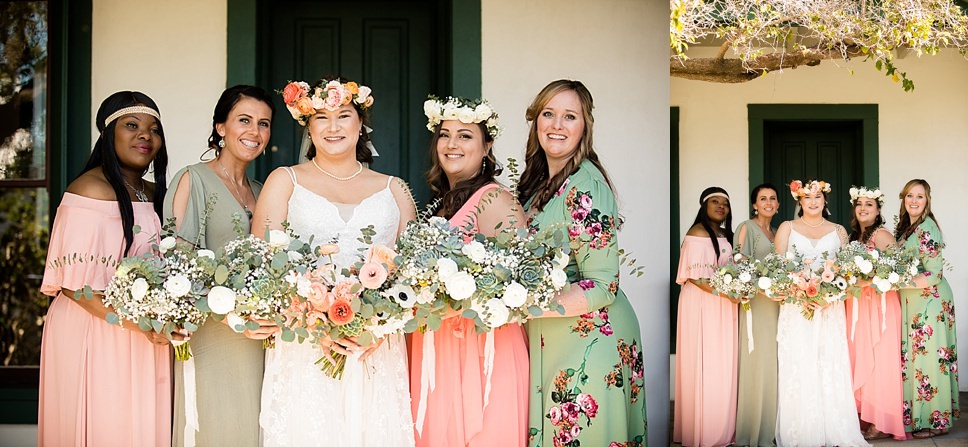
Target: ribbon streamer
(488,365)
(191,409)
(749,330)
(883,311)
(854,315)
(428,378)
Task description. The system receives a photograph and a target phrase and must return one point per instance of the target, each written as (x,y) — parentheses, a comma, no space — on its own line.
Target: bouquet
(251,279)
(163,290)
(357,302)
(775,273)
(816,285)
(492,280)
(737,280)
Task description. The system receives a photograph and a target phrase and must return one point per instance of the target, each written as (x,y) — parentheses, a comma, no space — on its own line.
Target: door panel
(387,46)
(825,150)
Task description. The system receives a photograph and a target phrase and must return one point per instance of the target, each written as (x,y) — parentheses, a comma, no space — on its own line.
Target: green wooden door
(825,150)
(388,46)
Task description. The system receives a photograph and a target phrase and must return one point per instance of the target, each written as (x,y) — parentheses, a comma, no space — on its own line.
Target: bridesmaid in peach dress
(706,331)
(874,342)
(456,410)
(102,384)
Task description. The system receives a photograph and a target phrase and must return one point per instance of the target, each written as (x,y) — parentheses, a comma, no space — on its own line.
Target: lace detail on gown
(815,405)
(370,406)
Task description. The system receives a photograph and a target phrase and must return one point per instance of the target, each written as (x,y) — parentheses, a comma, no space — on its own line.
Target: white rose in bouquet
(166,244)
(203,253)
(446,268)
(495,313)
(475,250)
(221,300)
(460,285)
(178,285)
(764,283)
(278,239)
(139,288)
(515,295)
(559,278)
(745,277)
(893,278)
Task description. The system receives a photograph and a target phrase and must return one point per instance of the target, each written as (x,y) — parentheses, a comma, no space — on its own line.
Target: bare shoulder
(697,230)
(92,185)
(784,228)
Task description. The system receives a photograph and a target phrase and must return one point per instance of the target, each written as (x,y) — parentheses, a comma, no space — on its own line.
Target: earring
(755,212)
(483,164)
(221,142)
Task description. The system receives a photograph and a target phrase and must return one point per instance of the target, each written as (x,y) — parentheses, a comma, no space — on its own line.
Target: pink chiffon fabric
(455,412)
(99,384)
(706,351)
(875,358)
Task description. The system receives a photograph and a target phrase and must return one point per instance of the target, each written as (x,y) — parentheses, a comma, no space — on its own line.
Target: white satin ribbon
(749,329)
(854,315)
(428,378)
(191,409)
(488,365)
(883,311)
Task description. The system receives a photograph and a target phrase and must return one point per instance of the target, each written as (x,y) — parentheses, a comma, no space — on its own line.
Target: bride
(332,197)
(816,401)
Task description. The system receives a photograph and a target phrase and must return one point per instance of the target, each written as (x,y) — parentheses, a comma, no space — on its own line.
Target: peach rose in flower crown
(352,87)
(293,91)
(305,106)
(795,187)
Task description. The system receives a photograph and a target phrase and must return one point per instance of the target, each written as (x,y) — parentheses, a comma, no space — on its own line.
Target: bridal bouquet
(737,280)
(492,280)
(818,285)
(251,279)
(358,303)
(776,273)
(163,290)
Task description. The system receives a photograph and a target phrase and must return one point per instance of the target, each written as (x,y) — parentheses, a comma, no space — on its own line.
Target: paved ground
(956,437)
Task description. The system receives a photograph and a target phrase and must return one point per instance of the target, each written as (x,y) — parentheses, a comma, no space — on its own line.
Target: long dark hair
(230,97)
(702,217)
(855,231)
(534,180)
(451,200)
(904,224)
(363,154)
(756,192)
(105,156)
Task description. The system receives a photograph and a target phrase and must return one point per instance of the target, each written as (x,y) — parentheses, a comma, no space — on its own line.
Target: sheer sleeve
(591,219)
(929,247)
(191,222)
(746,248)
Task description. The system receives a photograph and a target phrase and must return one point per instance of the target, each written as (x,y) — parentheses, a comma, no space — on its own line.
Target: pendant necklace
(238,192)
(342,179)
(139,194)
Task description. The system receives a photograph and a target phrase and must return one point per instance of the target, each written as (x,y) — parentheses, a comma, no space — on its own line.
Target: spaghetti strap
(389,179)
(292,174)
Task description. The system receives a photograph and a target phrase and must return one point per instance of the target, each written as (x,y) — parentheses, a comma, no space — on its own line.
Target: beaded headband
(713,194)
(129,110)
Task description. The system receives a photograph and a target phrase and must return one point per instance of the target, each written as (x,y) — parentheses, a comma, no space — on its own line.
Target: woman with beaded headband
(465,405)
(587,372)
(815,404)
(756,390)
(228,366)
(332,197)
(705,410)
(874,339)
(101,384)
(929,351)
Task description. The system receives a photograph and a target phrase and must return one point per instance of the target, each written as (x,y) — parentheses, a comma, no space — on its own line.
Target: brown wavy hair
(904,224)
(450,200)
(535,182)
(864,236)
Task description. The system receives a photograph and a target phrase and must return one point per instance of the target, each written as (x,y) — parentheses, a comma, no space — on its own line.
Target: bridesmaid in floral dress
(705,394)
(875,341)
(456,410)
(929,351)
(587,372)
(756,391)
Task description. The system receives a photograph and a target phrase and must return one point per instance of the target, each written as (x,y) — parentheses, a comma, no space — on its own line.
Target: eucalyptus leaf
(221,274)
(112,318)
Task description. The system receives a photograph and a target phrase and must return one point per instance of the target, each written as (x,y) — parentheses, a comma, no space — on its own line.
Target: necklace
(342,179)
(139,194)
(235,185)
(822,220)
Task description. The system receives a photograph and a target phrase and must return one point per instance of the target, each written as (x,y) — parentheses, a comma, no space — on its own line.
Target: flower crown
(462,109)
(874,194)
(330,96)
(798,189)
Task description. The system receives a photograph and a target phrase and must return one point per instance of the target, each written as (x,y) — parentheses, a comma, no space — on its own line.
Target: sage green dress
(587,372)
(228,366)
(929,352)
(756,401)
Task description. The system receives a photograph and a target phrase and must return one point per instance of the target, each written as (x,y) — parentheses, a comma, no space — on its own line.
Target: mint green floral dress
(929,355)
(587,374)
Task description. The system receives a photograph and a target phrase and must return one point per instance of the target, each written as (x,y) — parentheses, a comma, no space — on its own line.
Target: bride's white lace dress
(370,406)
(815,405)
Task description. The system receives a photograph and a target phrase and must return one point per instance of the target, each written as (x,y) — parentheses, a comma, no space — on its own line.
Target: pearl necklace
(235,185)
(139,194)
(822,220)
(342,179)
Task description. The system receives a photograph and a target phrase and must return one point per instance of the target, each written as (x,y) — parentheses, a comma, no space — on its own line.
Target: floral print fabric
(587,372)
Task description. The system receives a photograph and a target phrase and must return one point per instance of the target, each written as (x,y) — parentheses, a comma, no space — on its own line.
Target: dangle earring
(755,212)
(483,164)
(221,143)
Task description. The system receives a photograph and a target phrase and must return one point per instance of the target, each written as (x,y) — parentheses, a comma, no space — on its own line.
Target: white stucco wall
(922,134)
(618,49)
(175,52)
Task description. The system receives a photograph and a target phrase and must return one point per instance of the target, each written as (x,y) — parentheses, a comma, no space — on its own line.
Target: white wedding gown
(370,405)
(815,400)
